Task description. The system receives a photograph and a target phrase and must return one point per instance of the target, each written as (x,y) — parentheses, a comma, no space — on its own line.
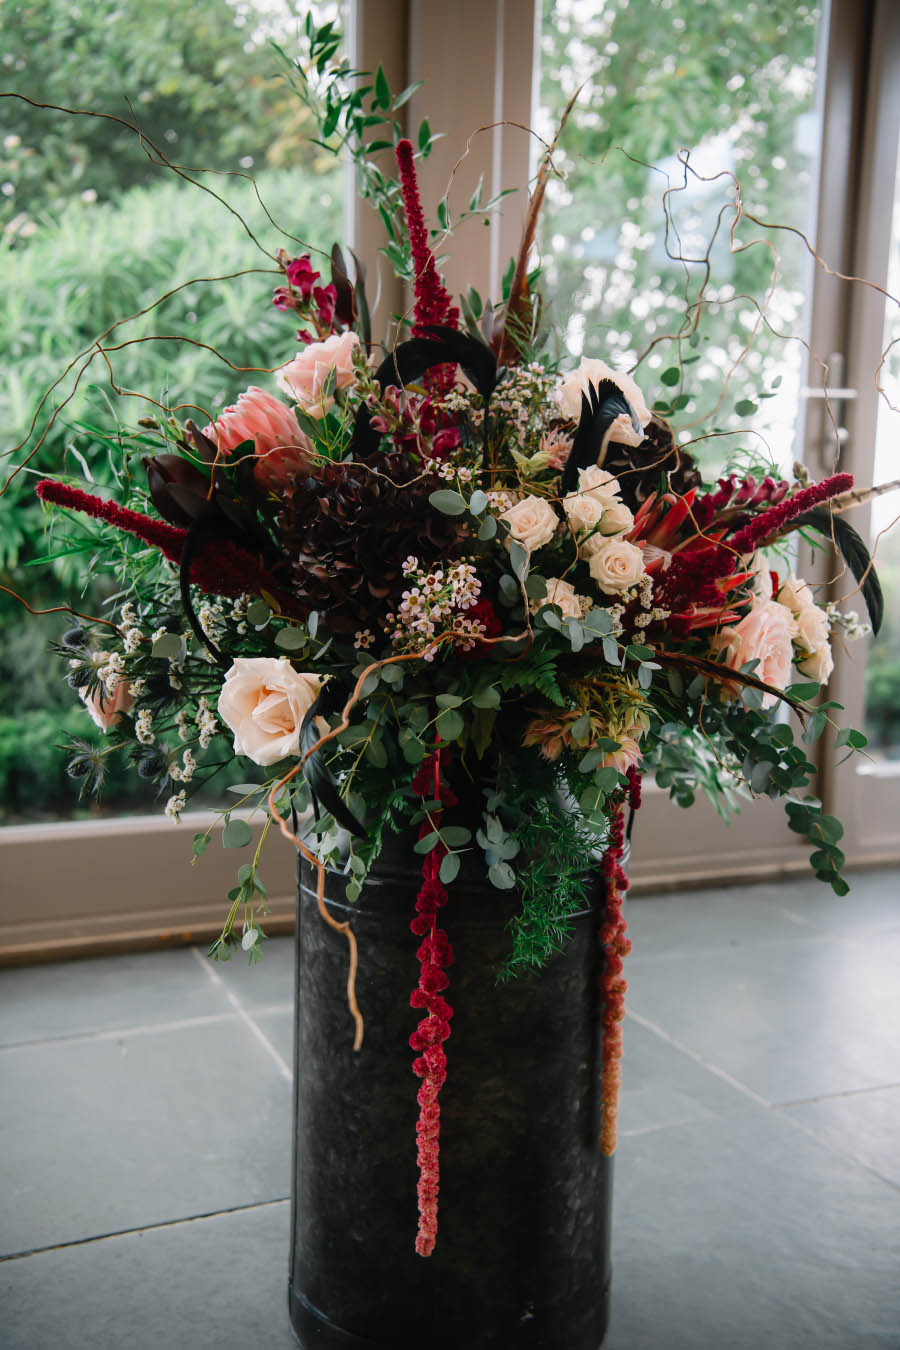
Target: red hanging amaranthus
(616,946)
(435,954)
(224,568)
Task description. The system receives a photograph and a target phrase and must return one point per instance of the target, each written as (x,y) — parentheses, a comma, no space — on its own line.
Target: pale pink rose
(562,594)
(617,519)
(811,628)
(763,635)
(282,451)
(616,566)
(818,665)
(795,594)
(628,755)
(600,483)
(591,372)
(583,511)
(531,522)
(264,701)
(304,378)
(106,709)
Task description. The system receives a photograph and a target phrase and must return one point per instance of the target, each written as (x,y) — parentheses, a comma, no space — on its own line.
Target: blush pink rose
(106,709)
(264,701)
(282,450)
(305,377)
(763,635)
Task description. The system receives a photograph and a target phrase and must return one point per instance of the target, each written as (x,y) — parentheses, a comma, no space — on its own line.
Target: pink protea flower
(282,451)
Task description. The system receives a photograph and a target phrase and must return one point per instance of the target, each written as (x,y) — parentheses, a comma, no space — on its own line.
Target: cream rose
(531,522)
(795,594)
(818,665)
(562,594)
(763,635)
(616,566)
(591,372)
(106,709)
(617,519)
(811,628)
(599,483)
(583,510)
(304,378)
(264,701)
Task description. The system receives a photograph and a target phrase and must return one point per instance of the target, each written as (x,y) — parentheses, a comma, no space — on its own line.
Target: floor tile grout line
(698,1059)
(144,1228)
(833,1096)
(213,975)
(113,1033)
(843,1154)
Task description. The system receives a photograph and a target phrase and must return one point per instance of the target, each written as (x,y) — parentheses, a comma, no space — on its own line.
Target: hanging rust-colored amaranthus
(435,954)
(616,946)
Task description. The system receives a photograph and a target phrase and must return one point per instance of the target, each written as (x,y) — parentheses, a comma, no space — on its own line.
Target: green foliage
(34,781)
(558,853)
(197,78)
(738,91)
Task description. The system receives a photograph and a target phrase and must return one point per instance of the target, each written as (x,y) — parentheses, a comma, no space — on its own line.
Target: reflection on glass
(882,724)
(736,84)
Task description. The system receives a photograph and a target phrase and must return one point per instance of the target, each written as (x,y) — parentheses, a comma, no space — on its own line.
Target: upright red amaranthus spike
(612,935)
(224,568)
(434,955)
(433,304)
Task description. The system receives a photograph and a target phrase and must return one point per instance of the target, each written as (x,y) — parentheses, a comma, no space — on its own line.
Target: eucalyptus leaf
(487,529)
(448,502)
(290,639)
(236,834)
(502,876)
(449,868)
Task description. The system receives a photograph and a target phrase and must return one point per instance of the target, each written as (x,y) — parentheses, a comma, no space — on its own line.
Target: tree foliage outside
(95,232)
(199,79)
(735,86)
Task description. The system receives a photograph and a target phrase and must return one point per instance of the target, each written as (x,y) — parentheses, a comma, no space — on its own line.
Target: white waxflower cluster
(131,640)
(175,805)
(206,721)
(364,639)
(848,622)
(649,613)
(143,727)
(431,602)
(209,616)
(184,772)
(111,669)
(128,615)
(182,724)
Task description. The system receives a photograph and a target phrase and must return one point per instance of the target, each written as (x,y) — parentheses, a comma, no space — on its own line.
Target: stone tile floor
(145,1119)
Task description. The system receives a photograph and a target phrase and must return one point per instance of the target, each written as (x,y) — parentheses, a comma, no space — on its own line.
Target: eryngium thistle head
(348,529)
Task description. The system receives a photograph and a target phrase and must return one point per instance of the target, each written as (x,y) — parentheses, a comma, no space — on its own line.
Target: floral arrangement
(388,576)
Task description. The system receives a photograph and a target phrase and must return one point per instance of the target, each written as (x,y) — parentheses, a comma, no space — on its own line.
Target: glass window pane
(93,229)
(736,85)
